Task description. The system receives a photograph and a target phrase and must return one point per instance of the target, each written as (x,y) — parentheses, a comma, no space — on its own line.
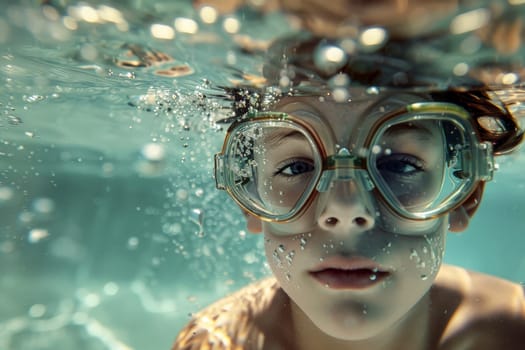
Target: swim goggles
(420,161)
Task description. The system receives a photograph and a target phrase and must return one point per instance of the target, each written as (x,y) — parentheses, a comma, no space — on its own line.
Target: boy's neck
(409,333)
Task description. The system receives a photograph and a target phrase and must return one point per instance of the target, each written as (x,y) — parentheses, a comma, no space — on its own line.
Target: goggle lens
(418,163)
(272,167)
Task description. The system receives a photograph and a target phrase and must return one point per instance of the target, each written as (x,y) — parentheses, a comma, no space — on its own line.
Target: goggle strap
(481,158)
(219,172)
(485,165)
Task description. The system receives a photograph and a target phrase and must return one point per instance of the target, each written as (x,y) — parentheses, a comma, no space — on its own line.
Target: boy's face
(350,275)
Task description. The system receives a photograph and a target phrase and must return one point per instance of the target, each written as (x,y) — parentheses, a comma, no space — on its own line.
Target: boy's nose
(345,209)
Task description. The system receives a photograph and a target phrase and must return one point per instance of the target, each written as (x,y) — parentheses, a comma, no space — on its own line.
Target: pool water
(111,231)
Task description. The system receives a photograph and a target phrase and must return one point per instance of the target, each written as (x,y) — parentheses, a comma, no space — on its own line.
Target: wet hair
(495,123)
(390,68)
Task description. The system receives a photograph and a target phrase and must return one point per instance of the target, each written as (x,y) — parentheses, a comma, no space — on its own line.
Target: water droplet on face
(302,243)
(277,258)
(290,256)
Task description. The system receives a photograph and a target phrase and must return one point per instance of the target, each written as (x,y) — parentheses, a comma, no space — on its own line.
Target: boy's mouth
(349,273)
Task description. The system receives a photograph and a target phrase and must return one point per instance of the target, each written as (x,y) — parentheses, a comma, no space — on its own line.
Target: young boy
(354,197)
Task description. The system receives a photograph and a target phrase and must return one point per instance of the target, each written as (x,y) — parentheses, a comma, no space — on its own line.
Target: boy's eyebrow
(426,133)
(276,138)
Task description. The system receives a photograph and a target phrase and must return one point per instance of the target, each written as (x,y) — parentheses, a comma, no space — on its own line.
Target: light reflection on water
(110,222)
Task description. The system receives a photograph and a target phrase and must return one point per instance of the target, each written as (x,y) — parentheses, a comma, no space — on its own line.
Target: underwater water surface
(111,231)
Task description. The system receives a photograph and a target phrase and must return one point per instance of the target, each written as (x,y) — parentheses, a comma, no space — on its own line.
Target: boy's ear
(253,224)
(460,217)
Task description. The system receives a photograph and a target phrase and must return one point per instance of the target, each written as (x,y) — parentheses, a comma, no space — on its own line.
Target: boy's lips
(349,273)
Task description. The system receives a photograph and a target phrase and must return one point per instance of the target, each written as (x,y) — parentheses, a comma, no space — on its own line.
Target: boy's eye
(400,164)
(295,167)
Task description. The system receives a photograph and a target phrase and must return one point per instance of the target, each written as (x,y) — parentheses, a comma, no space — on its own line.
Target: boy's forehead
(348,120)
(357,107)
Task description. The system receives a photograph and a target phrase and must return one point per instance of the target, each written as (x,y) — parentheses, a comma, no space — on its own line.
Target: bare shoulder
(239,321)
(478,311)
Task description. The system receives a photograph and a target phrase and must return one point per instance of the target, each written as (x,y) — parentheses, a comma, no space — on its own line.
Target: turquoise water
(111,232)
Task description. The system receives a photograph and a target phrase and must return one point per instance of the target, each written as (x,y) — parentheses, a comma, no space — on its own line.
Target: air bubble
(37,310)
(373,37)
(6,194)
(186,25)
(372,90)
(250,258)
(14,120)
(231,25)
(91,300)
(281,248)
(181,194)
(340,95)
(329,59)
(111,288)
(208,14)
(197,217)
(37,234)
(43,205)
(153,152)
(372,277)
(133,242)
(376,149)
